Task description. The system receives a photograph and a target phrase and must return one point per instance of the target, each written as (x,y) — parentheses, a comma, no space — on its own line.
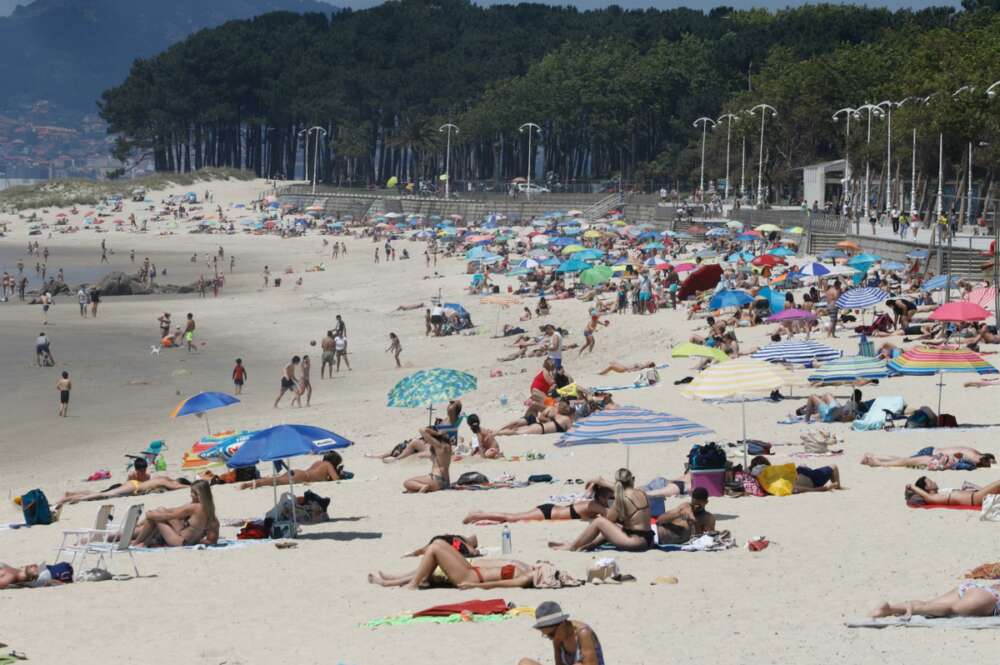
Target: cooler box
(713,480)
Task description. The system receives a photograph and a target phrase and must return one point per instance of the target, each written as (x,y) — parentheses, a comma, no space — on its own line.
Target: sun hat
(549,614)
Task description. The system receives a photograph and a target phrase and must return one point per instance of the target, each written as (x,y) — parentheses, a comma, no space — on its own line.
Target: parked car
(526,187)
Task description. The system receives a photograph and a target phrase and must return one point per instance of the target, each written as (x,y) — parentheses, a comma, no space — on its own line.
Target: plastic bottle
(503,399)
(161,464)
(505,544)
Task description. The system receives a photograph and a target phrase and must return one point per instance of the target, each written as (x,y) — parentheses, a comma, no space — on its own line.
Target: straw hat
(549,614)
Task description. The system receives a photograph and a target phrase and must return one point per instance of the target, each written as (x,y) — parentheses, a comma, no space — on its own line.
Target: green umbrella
(428,387)
(596,275)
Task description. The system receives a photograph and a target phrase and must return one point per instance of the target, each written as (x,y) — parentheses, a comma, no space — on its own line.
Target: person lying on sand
(406,308)
(686,521)
(130,488)
(456,571)
(621,368)
(657,488)
(557,418)
(329,468)
(440,444)
(925,490)
(970,599)
(191,524)
(828,409)
(586,509)
(467,546)
(935,459)
(419,445)
(34,575)
(820,479)
(626,525)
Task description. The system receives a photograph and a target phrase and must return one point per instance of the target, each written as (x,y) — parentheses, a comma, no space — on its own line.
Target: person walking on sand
(376,254)
(240,377)
(394,347)
(327,345)
(46,301)
(589,330)
(340,329)
(95,300)
(340,351)
(43,351)
(232,263)
(305,385)
(64,385)
(267,277)
(84,300)
(189,332)
(288,379)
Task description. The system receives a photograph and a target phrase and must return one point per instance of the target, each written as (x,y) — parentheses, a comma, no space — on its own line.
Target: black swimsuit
(546,510)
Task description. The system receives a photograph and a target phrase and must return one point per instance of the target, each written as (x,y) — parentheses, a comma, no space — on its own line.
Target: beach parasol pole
(291,488)
(940,390)
(743,408)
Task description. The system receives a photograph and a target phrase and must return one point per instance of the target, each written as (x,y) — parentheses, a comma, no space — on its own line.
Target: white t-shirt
(339,343)
(437,311)
(555,346)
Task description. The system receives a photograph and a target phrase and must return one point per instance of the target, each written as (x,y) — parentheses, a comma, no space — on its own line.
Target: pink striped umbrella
(959,310)
(984,296)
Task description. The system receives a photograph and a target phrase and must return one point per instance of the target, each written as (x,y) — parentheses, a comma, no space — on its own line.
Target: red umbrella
(768,260)
(662,266)
(704,278)
(697,230)
(959,310)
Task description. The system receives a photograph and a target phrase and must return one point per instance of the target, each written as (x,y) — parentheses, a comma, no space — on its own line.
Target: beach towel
(943,506)
(490,486)
(404,619)
(492,606)
(223,544)
(918,621)
(876,416)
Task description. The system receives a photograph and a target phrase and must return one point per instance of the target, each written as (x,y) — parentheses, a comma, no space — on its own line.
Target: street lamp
(991,92)
(728,117)
(913,158)
(849,113)
(305,133)
(887,110)
(872,109)
(447,158)
(968,208)
(704,122)
(532,127)
(764,110)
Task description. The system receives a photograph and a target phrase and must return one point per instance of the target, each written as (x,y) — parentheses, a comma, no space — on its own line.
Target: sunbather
(927,491)
(130,488)
(327,469)
(457,572)
(467,546)
(808,479)
(970,599)
(682,523)
(828,409)
(935,459)
(586,509)
(626,525)
(553,419)
(192,524)
(621,368)
(34,575)
(419,445)
(438,479)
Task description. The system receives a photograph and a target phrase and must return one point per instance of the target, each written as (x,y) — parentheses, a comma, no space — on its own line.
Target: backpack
(648,377)
(708,456)
(472,478)
(36,508)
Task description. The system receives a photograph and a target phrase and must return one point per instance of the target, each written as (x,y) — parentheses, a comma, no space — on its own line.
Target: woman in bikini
(457,572)
(554,419)
(192,524)
(467,546)
(970,599)
(130,488)
(935,459)
(327,469)
(626,526)
(621,368)
(587,509)
(927,491)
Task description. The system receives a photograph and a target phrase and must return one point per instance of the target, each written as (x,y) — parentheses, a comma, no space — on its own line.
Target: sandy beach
(833,555)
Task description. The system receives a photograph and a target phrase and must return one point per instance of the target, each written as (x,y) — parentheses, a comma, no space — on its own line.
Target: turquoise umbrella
(428,387)
(573,265)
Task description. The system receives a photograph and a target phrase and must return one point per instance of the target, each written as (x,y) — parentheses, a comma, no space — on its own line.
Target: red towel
(495,606)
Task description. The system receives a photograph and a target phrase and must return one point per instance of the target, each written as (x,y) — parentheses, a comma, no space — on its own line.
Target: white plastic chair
(80,536)
(105,543)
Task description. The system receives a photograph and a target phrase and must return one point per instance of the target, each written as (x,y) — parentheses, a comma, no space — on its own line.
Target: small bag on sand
(991,508)
(548,576)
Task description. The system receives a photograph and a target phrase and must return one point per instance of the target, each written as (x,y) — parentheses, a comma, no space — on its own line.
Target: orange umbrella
(849,244)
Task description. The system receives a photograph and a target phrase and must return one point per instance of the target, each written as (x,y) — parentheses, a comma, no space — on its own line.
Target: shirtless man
(189,332)
(305,386)
(620,368)
(64,385)
(328,347)
(440,446)
(486,441)
(686,521)
(715,329)
(832,295)
(553,419)
(327,469)
(288,379)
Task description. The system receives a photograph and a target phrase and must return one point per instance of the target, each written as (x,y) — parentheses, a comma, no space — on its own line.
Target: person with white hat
(574,641)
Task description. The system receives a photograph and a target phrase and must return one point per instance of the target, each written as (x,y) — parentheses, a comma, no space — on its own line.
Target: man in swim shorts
(686,521)
(328,354)
(64,385)
(288,379)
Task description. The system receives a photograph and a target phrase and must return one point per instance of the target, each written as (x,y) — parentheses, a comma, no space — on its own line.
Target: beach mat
(918,621)
(942,506)
(490,486)
(223,544)
(405,619)
(608,547)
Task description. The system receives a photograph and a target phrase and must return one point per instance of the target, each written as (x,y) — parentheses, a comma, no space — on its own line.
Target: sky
(694,4)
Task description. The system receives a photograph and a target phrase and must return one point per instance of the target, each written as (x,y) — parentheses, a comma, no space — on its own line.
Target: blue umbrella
(551,262)
(573,265)
(736,256)
(833,254)
(588,254)
(781,251)
(861,298)
(630,425)
(201,403)
(814,270)
(893,265)
(717,233)
(730,298)
(863,261)
(918,254)
(940,282)
(562,242)
(478,253)
(653,245)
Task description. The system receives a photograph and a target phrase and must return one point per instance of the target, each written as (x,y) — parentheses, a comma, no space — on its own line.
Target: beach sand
(833,556)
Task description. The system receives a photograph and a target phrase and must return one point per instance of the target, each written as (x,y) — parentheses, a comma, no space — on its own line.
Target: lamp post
(849,113)
(728,117)
(532,127)
(764,110)
(872,109)
(886,107)
(743,167)
(704,122)
(447,158)
(305,133)
(991,92)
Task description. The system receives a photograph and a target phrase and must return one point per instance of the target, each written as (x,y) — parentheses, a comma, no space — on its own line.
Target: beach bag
(757,447)
(921,418)
(708,456)
(472,478)
(547,576)
(778,479)
(947,420)
(61,572)
(648,377)
(35,506)
(991,508)
(749,484)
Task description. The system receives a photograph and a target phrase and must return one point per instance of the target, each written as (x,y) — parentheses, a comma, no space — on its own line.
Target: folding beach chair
(101,524)
(105,543)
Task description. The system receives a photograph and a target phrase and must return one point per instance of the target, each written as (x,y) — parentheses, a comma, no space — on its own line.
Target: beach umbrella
(792,315)
(591,234)
(282,442)
(735,225)
(692,350)
(573,265)
(738,378)
(959,311)
(717,233)
(863,261)
(199,404)
(940,282)
(768,260)
(701,279)
(551,262)
(841,270)
(849,245)
(797,353)
(589,254)
(795,230)
(572,249)
(428,387)
(814,270)
(848,369)
(540,240)
(653,245)
(918,254)
(768,228)
(832,254)
(478,253)
(539,254)
(984,296)
(893,265)
(596,275)
(528,264)
(781,251)
(696,230)
(630,425)
(730,298)
(739,256)
(931,360)
(861,298)
(502,302)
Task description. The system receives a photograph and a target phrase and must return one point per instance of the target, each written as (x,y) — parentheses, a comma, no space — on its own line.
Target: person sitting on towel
(686,521)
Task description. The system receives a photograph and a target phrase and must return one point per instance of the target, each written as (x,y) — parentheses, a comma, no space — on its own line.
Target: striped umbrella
(814,270)
(861,298)
(850,369)
(630,425)
(929,360)
(737,378)
(801,353)
(984,296)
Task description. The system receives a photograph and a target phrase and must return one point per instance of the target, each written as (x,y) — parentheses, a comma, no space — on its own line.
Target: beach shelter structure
(198,405)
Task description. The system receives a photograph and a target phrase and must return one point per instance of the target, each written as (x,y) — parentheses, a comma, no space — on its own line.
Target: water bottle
(503,399)
(505,545)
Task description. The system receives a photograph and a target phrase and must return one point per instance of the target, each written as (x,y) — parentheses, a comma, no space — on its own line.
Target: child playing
(239,377)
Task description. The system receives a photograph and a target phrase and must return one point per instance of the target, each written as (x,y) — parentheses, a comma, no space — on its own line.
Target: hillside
(68,51)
